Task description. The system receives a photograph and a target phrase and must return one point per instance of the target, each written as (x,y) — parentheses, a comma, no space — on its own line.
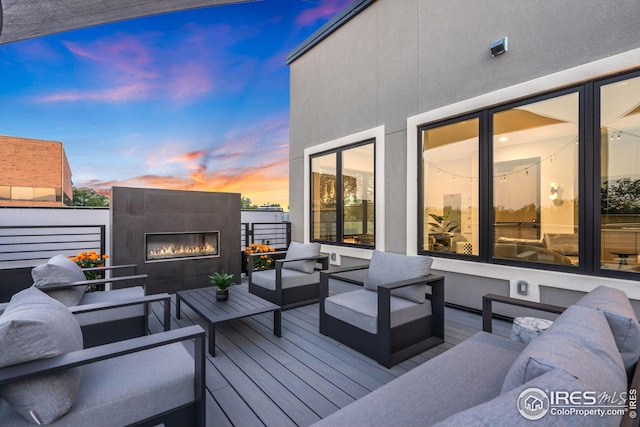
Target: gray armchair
(65,281)
(295,279)
(392,318)
(47,377)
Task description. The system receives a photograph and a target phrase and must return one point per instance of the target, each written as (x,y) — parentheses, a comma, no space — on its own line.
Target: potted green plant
(442,229)
(223,282)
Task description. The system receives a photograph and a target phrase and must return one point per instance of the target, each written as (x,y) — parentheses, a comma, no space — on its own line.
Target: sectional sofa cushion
(579,342)
(387,267)
(504,409)
(622,320)
(60,270)
(469,374)
(35,326)
(302,250)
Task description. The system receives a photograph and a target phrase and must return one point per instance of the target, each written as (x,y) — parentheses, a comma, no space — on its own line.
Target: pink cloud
(117,94)
(325,10)
(132,67)
(38,50)
(267,182)
(252,161)
(123,54)
(188,80)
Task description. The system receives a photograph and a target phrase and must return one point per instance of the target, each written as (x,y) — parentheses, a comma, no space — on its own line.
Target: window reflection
(323,187)
(343,189)
(620,175)
(357,195)
(450,183)
(535,181)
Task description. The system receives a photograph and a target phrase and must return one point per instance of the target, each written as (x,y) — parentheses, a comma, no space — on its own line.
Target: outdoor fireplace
(180,246)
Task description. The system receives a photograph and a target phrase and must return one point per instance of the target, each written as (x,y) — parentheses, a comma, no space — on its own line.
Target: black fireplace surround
(204,228)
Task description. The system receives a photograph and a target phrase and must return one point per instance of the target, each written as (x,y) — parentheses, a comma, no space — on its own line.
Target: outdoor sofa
(593,346)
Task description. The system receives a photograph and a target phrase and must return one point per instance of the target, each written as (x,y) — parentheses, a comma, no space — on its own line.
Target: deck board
(258,379)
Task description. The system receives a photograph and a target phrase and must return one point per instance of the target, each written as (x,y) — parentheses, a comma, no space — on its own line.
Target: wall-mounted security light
(499,46)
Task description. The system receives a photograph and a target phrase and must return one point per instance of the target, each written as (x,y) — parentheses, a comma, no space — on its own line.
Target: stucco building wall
(399,59)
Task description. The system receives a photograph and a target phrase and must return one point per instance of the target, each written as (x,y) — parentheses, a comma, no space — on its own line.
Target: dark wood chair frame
(390,345)
(288,297)
(487,316)
(192,414)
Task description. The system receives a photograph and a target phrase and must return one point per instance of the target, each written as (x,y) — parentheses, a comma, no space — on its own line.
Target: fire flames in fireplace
(172,251)
(173,246)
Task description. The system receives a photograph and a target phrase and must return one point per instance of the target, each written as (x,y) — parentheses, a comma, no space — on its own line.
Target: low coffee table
(240,304)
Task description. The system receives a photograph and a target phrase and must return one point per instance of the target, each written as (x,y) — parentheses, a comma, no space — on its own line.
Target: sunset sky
(193,100)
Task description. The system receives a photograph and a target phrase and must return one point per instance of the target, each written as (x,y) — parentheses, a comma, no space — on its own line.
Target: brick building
(34,172)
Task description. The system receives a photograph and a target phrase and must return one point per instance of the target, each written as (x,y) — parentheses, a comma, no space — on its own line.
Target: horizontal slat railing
(26,244)
(274,234)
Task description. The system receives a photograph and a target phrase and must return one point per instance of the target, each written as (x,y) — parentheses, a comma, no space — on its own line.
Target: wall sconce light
(555,194)
(500,46)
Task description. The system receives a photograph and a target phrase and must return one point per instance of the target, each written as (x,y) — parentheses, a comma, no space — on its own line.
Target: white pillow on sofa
(35,326)
(60,270)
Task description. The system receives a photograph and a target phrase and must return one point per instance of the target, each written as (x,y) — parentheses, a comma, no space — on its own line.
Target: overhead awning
(25,19)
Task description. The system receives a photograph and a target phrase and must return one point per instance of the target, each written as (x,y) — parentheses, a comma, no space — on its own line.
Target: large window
(620,175)
(450,187)
(36,194)
(528,183)
(342,195)
(535,181)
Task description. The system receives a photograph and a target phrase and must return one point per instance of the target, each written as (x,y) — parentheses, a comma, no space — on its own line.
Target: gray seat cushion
(302,250)
(467,375)
(387,268)
(60,270)
(290,278)
(580,343)
(618,311)
(35,326)
(360,309)
(111,314)
(127,389)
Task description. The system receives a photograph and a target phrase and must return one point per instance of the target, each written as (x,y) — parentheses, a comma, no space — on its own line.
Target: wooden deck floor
(258,379)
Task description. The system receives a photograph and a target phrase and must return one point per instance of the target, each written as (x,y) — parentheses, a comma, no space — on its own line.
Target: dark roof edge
(327,29)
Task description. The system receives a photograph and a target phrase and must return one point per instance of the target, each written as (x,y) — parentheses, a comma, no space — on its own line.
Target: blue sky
(191,100)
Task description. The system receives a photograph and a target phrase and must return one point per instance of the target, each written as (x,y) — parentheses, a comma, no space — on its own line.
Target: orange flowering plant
(262,262)
(88,260)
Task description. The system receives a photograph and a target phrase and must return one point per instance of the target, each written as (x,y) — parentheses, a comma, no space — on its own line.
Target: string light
(503,177)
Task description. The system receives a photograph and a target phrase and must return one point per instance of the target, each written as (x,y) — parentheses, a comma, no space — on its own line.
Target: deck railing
(274,234)
(28,244)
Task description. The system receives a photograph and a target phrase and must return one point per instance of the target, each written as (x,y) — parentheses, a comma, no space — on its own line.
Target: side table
(525,329)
